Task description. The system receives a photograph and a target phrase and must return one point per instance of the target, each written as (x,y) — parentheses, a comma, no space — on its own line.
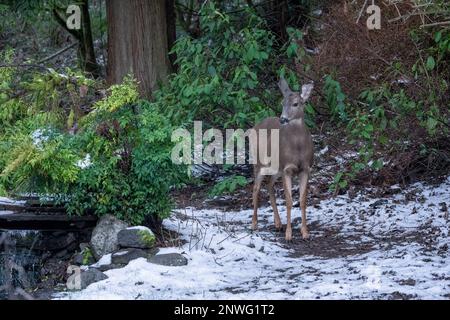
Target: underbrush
(64,137)
(387,90)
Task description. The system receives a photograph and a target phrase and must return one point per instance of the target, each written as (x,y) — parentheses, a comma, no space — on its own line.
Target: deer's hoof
(305,233)
(288,235)
(278,226)
(254,226)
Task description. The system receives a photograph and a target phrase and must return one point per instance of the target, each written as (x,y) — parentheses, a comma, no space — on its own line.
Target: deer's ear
(306,91)
(284,87)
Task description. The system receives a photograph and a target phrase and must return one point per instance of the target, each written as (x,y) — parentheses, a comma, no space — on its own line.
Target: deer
(295,156)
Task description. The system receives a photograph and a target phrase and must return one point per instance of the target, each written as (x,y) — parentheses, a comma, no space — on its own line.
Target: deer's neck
(296,122)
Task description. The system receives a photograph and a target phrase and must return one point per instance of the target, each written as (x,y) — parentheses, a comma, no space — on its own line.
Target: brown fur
(295,156)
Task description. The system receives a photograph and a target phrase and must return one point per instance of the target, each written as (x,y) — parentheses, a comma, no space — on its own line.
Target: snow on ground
(360,248)
(7,201)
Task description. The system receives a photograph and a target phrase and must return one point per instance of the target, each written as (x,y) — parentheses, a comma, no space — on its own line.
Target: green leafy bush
(224,76)
(40,166)
(228,185)
(335,98)
(36,154)
(386,125)
(117,160)
(129,172)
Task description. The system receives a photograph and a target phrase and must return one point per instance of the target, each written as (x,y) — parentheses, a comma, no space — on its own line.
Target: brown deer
(295,156)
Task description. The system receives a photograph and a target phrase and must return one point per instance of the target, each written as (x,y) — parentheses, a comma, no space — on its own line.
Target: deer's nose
(284,120)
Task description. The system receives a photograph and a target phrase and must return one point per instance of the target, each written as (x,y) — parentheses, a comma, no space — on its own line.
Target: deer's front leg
(256,187)
(303,186)
(287,181)
(273,202)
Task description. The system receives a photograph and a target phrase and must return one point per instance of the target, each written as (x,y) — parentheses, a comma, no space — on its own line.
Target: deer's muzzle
(284,120)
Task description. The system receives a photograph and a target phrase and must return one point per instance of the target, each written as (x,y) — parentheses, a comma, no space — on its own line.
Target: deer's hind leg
(256,188)
(273,202)
(303,186)
(287,180)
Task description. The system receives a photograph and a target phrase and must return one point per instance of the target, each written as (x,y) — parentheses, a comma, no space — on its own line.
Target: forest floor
(361,247)
(379,242)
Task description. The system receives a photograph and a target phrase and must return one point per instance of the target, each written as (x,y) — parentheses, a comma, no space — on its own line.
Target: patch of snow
(85,163)
(104,261)
(21,233)
(140,228)
(313,50)
(341,160)
(403,250)
(317,12)
(200,170)
(323,151)
(120,253)
(402,80)
(7,201)
(40,136)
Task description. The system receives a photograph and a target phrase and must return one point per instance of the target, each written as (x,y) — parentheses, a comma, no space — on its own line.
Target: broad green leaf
(430,63)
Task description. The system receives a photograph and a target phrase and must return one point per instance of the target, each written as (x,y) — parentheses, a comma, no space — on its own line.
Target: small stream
(35,260)
(37,242)
(20,265)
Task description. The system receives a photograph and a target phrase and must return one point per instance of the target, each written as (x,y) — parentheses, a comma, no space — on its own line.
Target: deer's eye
(295,104)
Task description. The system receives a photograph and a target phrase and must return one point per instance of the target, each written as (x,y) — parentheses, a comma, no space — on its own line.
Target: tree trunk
(171,20)
(90,61)
(138,42)
(86,54)
(276,15)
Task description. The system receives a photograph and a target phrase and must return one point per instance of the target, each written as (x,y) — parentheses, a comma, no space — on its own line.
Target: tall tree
(138,42)
(86,53)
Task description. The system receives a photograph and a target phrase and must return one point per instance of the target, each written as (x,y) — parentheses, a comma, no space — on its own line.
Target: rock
(123,257)
(104,264)
(83,258)
(378,203)
(84,245)
(91,276)
(62,255)
(408,282)
(77,259)
(107,267)
(56,241)
(104,236)
(136,237)
(169,259)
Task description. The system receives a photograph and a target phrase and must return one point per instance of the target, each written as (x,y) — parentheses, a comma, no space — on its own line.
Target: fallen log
(31,214)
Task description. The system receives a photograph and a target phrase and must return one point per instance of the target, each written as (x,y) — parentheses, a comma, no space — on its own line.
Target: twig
(242,237)
(407,16)
(360,12)
(38,65)
(215,260)
(23,65)
(443,23)
(57,53)
(423,65)
(226,238)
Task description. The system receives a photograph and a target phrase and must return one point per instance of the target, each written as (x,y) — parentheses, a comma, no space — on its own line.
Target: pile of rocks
(114,244)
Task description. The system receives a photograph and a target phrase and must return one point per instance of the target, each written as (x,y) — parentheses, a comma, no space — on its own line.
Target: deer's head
(293,102)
